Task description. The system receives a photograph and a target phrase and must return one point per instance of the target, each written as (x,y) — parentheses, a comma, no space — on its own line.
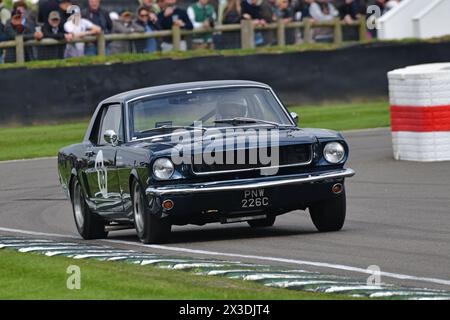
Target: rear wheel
(89,225)
(262,223)
(329,215)
(149,228)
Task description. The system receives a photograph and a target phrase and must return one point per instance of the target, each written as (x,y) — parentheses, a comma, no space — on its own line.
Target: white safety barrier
(420,112)
(416,19)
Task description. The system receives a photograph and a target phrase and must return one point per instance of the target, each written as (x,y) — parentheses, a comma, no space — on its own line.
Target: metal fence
(244,32)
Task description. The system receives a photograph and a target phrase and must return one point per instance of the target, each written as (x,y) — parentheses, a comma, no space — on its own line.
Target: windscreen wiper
(170,127)
(241,120)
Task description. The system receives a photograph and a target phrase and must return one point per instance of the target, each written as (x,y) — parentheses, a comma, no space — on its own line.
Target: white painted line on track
(247,256)
(36,233)
(28,160)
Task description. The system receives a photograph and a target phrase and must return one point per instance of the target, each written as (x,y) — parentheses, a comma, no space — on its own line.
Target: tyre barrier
(420,112)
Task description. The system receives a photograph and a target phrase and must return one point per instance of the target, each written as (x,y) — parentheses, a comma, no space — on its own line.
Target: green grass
(31,276)
(38,140)
(45,140)
(345,116)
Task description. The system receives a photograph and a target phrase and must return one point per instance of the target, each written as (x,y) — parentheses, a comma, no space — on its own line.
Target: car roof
(128,95)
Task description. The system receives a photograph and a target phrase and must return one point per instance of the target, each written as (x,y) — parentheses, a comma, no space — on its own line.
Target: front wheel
(89,225)
(329,215)
(149,228)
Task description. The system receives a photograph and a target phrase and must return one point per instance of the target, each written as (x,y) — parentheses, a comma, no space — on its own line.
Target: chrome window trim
(299,164)
(127,116)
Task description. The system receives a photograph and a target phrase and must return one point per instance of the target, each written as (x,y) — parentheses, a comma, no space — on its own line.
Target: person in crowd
(125,24)
(301,9)
(19,24)
(284,12)
(150,6)
(5,14)
(349,13)
(202,15)
(322,11)
(173,15)
(79,28)
(232,14)
(251,10)
(100,17)
(3,37)
(45,7)
(159,6)
(268,8)
(148,21)
(53,29)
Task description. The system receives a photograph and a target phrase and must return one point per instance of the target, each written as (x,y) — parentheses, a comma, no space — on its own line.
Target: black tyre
(89,224)
(150,229)
(262,223)
(329,215)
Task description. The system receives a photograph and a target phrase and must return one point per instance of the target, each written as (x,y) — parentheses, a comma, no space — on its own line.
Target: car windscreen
(208,107)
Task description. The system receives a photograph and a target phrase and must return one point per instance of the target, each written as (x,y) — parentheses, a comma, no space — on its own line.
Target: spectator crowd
(60,20)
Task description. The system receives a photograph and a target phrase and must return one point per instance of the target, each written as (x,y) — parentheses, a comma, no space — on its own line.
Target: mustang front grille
(290,155)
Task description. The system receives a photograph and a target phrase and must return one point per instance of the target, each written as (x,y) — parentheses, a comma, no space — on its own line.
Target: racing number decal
(102,174)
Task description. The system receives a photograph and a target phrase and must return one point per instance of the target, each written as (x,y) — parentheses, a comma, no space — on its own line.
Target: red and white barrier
(420,112)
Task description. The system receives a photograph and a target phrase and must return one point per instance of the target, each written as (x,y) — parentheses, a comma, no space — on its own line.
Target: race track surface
(398,218)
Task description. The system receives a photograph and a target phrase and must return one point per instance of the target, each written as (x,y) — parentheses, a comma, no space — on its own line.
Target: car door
(102,173)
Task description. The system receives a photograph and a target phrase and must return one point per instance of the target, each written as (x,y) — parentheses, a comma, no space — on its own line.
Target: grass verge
(31,276)
(45,140)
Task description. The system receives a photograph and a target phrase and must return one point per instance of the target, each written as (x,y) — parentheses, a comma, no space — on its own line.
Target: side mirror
(111,137)
(294,116)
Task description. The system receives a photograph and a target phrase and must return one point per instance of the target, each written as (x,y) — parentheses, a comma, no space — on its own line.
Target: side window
(111,120)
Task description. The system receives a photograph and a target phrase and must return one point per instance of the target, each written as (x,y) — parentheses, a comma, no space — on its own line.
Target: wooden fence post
(101,44)
(247,34)
(307,31)
(362,29)
(337,32)
(281,36)
(176,38)
(20,49)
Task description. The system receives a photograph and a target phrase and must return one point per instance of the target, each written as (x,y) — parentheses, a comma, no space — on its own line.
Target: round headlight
(334,152)
(163,168)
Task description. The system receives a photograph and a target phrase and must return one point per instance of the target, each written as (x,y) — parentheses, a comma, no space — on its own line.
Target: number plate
(254,199)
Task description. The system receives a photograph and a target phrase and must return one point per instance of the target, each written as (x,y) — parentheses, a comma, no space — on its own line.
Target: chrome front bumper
(233,185)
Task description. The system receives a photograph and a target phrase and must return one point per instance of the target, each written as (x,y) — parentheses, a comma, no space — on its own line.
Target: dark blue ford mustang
(201,152)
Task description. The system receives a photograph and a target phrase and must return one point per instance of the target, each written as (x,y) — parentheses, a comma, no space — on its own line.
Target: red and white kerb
(420,112)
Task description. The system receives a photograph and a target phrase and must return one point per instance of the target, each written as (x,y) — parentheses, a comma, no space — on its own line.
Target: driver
(230,108)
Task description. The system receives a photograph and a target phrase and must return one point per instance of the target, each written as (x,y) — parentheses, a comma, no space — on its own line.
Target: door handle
(90,153)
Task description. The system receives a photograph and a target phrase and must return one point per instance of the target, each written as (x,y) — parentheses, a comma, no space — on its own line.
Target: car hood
(285,136)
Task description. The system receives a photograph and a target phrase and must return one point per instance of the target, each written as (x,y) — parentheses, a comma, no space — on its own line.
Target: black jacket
(166,22)
(3,36)
(100,18)
(253,11)
(53,51)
